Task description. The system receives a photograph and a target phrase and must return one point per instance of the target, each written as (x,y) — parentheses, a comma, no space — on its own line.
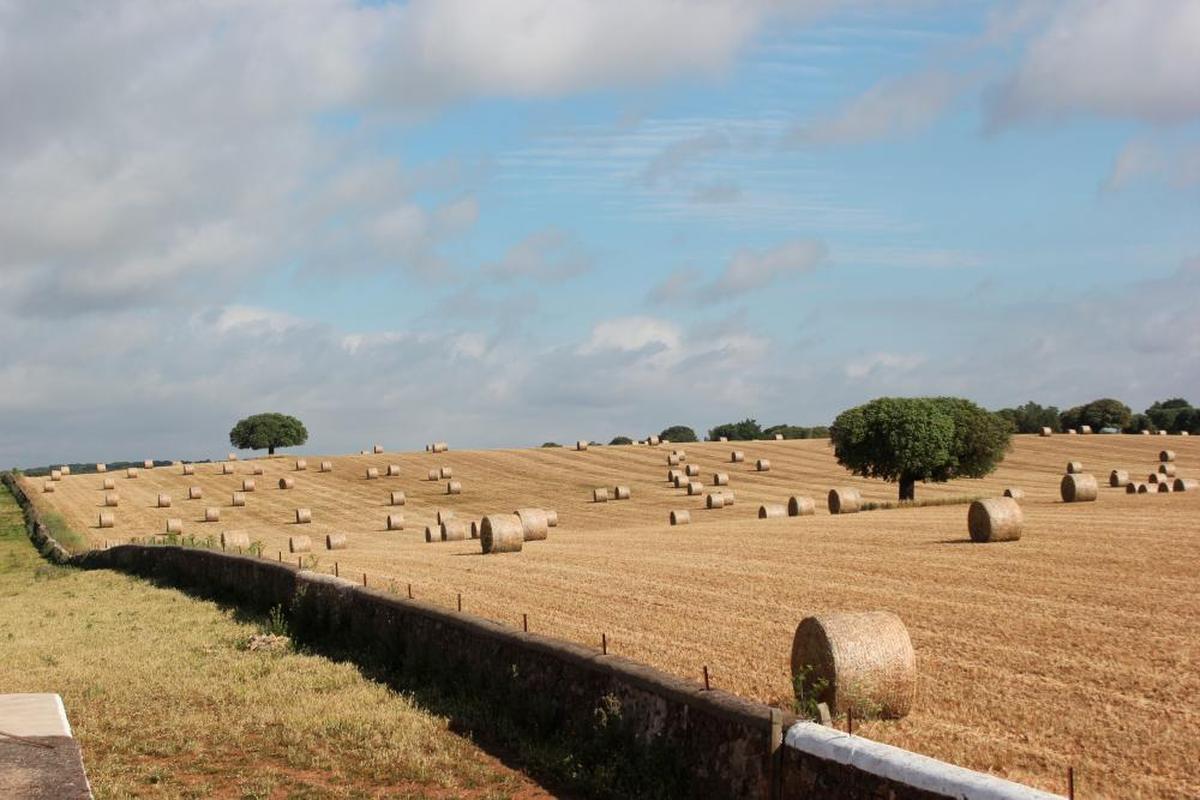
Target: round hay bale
(433,533)
(1154,478)
(673,460)
(212,514)
(1074,467)
(1143,488)
(232,457)
(248,484)
(372,473)
(863,661)
(64,470)
(326,466)
(287,483)
(581,445)
(552,518)
(445,473)
(1084,430)
(164,501)
(231,540)
(303,516)
(737,457)
(844,500)
(714,500)
(148,464)
(1118,478)
(335,541)
(1162,433)
(440,447)
(722,438)
(1131,488)
(395,522)
(672,474)
(501,533)
(600,495)
(397,499)
(1186,485)
(800,506)
(1079,488)
(238,499)
(107,520)
(301,465)
(729,497)
(443,515)
(55,475)
(377,449)
(762,465)
(393,470)
(621,493)
(453,531)
(653,440)
(535,525)
(299,544)
(112,499)
(227,469)
(1164,487)
(434,475)
(174,525)
(996,519)
(48,487)
(681,517)
(453,487)
(109,483)
(1145,433)
(189,469)
(691,470)
(681,481)
(1047,432)
(256,469)
(1014,493)
(720,479)
(102,468)
(474,529)
(131,472)
(1071,432)
(695,488)
(772,511)
(1167,469)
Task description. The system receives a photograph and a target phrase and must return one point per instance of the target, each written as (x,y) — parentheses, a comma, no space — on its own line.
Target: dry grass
(170,696)
(1077,645)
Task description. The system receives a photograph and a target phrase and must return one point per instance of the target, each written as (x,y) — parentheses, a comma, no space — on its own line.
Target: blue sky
(505,223)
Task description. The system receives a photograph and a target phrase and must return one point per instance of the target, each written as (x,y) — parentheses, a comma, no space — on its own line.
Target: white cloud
(655,337)
(1176,164)
(875,364)
(755,269)
(549,255)
(892,107)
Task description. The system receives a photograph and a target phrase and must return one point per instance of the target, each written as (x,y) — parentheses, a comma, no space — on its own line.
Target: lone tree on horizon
(268,430)
(910,439)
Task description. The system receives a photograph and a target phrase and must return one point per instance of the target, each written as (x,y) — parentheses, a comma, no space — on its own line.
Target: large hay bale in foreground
(622,493)
(164,501)
(395,522)
(501,533)
(299,544)
(397,499)
(801,506)
(303,516)
(326,466)
(212,514)
(996,519)
(174,525)
(535,524)
(844,500)
(600,495)
(112,499)
(108,483)
(772,511)
(762,465)
(1074,467)
(1186,485)
(1014,493)
(1166,468)
(1166,456)
(453,531)
(248,484)
(453,487)
(715,500)
(737,457)
(238,499)
(681,517)
(720,479)
(863,662)
(107,520)
(233,539)
(1079,488)
(1118,478)
(287,483)
(335,541)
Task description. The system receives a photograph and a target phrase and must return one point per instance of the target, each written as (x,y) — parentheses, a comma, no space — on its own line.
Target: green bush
(678,433)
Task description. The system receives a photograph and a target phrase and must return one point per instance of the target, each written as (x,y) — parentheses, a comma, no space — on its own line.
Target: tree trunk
(270,450)
(908,489)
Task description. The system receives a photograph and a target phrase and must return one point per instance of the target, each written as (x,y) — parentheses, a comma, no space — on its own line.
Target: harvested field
(1076,646)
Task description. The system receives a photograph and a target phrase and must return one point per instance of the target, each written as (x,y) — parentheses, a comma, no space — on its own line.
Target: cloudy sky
(502,223)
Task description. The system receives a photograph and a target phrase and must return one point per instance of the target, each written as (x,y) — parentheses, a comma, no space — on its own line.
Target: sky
(504,223)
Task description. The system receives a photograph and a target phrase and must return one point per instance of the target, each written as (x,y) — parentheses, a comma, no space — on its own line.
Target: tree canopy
(744,431)
(1098,414)
(1031,418)
(621,440)
(268,431)
(678,433)
(910,439)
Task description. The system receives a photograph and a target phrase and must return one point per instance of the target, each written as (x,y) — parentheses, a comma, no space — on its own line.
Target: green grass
(171,696)
(72,541)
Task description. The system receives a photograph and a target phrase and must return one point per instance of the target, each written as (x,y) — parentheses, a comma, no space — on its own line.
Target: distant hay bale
(397,499)
(131,472)
(107,520)
(695,488)
(112,499)
(395,522)
(729,497)
(653,440)
(552,518)
(863,661)
(501,533)
(621,493)
(1085,429)
(233,457)
(64,469)
(109,483)
(720,479)
(1143,488)
(680,454)
(1186,485)
(189,469)
(443,514)
(474,529)
(715,500)
(1071,431)
(1131,488)
(1166,469)
(303,516)
(581,445)
(801,506)
(1074,467)
(600,495)
(672,474)
(439,447)
(673,460)
(164,501)
(737,457)
(174,525)
(326,466)
(535,524)
(101,467)
(335,541)
(1162,433)
(1185,433)
(996,519)
(762,465)
(195,492)
(1154,478)
(1079,488)
(238,499)
(844,500)
(377,449)
(446,472)
(299,544)
(681,481)
(722,438)
(393,470)
(433,533)
(301,465)
(1145,433)
(772,511)
(1047,432)
(779,437)
(48,486)
(287,483)
(434,475)
(148,464)
(372,473)
(453,487)
(691,470)
(453,531)
(1014,493)
(55,475)
(1118,478)
(1164,487)
(256,469)
(227,469)
(231,540)
(212,514)
(248,484)
(681,517)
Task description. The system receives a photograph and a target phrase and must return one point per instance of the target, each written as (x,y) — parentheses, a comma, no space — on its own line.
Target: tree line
(1175,415)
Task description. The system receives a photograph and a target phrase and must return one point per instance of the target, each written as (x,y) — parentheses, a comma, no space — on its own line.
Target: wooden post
(604,643)
(1071,783)
(336,574)
(775,747)
(460,602)
(410,597)
(364,579)
(707,687)
(525,622)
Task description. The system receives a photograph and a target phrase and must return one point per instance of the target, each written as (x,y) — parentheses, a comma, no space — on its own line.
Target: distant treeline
(82,469)
(1176,415)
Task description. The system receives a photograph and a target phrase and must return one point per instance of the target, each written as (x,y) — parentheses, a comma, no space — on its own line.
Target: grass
(171,696)
(928,502)
(64,534)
